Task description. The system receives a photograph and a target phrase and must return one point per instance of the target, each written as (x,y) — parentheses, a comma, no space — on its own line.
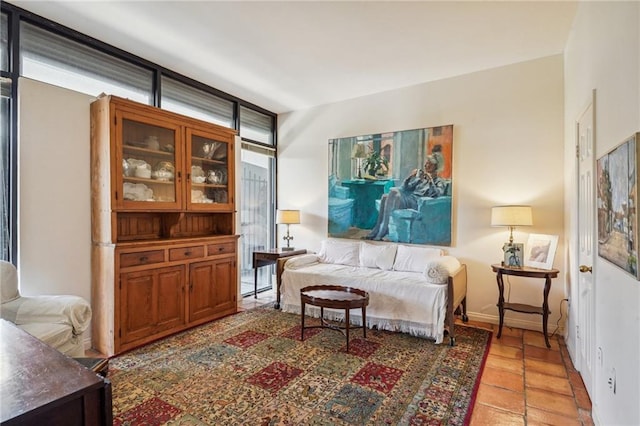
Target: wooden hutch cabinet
(164,249)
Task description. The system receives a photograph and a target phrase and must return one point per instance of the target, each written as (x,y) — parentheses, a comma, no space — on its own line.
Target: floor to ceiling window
(65,58)
(7,177)
(256,213)
(257,199)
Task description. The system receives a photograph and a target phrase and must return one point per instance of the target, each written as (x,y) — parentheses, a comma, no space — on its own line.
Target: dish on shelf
(132,165)
(209,149)
(221,152)
(196,171)
(198,179)
(152,142)
(162,175)
(137,192)
(197,196)
(164,170)
(143,172)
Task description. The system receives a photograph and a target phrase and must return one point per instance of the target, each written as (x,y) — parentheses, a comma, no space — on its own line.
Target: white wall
(54,205)
(603,53)
(54,187)
(508,149)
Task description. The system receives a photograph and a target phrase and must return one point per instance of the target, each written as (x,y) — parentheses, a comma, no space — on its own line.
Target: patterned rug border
(263,374)
(483,364)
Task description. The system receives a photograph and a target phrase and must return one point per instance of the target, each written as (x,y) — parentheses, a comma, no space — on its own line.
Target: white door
(585,333)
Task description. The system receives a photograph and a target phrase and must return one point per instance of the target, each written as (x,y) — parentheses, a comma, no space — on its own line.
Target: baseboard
(516,322)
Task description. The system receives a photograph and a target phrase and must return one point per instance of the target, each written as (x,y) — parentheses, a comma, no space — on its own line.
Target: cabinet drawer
(221,248)
(186,253)
(141,258)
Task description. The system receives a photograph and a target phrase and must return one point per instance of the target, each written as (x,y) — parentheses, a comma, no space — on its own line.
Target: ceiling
(290,55)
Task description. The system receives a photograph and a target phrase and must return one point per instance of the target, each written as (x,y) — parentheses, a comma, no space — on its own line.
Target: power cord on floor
(559,319)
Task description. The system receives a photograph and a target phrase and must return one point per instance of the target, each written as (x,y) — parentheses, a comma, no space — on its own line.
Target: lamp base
(287,249)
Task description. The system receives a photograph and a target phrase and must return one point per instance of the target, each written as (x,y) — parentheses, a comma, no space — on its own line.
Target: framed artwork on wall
(541,250)
(394,186)
(617,192)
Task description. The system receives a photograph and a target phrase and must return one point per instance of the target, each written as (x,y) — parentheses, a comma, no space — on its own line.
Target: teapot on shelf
(213,176)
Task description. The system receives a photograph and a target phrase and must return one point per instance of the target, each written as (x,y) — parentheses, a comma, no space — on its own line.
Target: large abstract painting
(394,186)
(617,198)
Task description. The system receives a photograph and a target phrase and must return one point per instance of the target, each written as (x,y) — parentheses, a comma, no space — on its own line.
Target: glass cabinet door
(209,184)
(149,163)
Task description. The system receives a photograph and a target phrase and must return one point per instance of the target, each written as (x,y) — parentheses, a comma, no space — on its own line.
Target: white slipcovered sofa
(412,289)
(59,321)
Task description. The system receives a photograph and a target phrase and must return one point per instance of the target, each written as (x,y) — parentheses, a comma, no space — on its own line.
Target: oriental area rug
(252,369)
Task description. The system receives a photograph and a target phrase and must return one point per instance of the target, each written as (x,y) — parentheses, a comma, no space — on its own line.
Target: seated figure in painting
(419,183)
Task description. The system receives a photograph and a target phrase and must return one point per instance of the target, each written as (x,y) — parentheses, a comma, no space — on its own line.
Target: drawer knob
(187,253)
(220,248)
(143,258)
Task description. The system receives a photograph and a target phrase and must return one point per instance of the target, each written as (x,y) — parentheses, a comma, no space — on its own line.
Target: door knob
(585,268)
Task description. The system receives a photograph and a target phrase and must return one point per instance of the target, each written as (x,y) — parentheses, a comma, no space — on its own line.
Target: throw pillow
(340,253)
(301,261)
(438,270)
(414,259)
(379,256)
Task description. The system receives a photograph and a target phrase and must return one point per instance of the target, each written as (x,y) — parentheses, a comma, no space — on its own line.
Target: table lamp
(359,152)
(287,217)
(512,216)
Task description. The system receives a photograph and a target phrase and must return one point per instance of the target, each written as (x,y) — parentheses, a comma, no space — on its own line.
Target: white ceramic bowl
(143,172)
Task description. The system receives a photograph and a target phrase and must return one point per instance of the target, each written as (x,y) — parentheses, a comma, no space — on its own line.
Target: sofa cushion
(72,311)
(414,259)
(54,335)
(379,256)
(340,253)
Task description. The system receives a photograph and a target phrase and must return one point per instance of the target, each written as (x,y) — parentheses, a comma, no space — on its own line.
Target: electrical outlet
(611,381)
(599,355)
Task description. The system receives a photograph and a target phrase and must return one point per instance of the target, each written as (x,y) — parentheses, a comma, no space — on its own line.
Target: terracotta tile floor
(523,382)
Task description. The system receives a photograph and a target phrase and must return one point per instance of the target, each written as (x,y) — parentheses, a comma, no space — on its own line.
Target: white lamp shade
(288,216)
(511,216)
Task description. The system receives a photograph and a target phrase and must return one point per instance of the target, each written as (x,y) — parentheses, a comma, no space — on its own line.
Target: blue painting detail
(411,180)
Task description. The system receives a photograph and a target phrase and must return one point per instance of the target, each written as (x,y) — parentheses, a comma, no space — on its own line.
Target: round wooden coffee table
(334,297)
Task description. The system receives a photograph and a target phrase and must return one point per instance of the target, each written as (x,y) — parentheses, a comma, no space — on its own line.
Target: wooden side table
(270,257)
(334,297)
(501,270)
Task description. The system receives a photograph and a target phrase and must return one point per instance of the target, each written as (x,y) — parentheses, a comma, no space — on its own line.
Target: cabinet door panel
(210,181)
(212,288)
(224,284)
(137,307)
(148,163)
(170,298)
(201,290)
(151,301)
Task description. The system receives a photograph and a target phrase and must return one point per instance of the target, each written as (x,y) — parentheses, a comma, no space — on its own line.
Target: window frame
(16,15)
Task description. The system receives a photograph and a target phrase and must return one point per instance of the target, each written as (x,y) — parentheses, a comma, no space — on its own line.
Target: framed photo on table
(513,255)
(541,249)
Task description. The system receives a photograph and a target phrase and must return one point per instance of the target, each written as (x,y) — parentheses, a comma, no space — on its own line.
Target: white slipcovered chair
(59,321)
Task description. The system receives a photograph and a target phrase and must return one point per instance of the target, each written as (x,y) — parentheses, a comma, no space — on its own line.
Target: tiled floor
(523,382)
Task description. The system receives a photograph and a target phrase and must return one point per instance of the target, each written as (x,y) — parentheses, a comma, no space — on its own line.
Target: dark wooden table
(270,257)
(334,297)
(41,386)
(525,271)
